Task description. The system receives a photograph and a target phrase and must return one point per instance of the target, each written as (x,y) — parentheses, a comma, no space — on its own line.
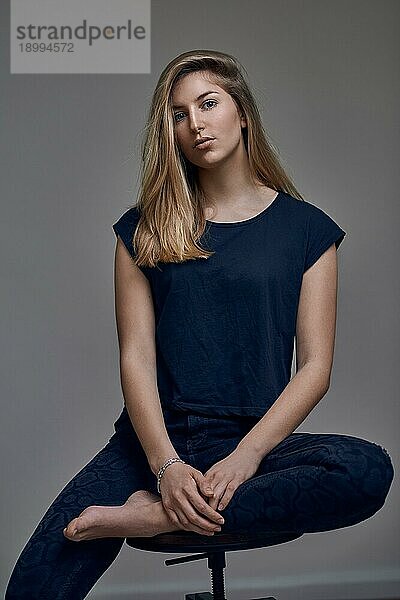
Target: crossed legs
(308,483)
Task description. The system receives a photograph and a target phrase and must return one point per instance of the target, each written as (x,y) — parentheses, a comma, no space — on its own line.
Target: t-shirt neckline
(251,219)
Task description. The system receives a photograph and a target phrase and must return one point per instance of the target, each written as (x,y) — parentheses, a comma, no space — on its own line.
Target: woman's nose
(195,122)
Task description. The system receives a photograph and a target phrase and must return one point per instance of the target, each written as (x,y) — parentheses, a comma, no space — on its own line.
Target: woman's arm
(134,310)
(315,340)
(136,335)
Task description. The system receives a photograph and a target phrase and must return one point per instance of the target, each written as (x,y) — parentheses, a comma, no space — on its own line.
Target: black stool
(211,547)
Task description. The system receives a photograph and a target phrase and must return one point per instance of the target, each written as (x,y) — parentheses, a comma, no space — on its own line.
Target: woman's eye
(213,102)
(209,101)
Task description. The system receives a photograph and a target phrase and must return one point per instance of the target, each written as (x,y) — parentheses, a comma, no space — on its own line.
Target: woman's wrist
(163,468)
(156,462)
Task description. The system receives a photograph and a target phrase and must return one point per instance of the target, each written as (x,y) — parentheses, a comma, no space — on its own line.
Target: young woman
(220,266)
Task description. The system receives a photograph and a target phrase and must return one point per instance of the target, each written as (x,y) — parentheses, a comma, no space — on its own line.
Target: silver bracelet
(162,469)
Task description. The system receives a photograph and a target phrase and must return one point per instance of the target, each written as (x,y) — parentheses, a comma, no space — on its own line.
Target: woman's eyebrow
(198,98)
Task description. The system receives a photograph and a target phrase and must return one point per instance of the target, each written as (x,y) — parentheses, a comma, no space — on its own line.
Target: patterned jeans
(308,483)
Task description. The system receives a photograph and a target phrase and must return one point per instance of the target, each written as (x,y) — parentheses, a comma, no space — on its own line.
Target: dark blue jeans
(309,482)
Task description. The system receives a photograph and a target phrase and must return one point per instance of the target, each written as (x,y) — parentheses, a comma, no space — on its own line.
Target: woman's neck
(244,204)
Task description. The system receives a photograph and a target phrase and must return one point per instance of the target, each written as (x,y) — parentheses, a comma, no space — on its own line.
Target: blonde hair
(171,202)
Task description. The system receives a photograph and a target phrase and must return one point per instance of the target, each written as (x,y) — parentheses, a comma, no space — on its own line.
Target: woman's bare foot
(142,514)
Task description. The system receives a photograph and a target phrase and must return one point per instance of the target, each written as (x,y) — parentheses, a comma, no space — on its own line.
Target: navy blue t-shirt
(225,325)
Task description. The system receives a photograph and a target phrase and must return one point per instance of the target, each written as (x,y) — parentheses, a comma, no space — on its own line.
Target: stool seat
(190,541)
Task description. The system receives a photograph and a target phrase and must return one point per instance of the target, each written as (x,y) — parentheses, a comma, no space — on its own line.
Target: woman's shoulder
(302,208)
(297,204)
(125,226)
(130,216)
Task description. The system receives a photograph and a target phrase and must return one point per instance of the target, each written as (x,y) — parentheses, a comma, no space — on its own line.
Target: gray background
(326,75)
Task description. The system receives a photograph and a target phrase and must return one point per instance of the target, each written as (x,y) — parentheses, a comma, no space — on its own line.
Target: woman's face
(203,109)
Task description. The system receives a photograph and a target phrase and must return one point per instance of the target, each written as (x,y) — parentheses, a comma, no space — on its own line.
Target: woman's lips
(204,145)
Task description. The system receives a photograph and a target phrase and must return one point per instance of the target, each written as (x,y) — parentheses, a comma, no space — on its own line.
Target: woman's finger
(187,525)
(213,502)
(227,495)
(205,509)
(197,519)
(204,486)
(201,505)
(173,516)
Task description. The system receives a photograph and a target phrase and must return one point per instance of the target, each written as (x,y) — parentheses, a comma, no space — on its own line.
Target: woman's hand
(226,475)
(183,502)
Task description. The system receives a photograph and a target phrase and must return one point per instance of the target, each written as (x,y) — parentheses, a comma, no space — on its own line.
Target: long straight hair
(171,202)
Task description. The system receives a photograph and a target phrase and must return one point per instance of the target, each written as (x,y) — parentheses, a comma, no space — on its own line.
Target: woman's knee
(367,465)
(381,472)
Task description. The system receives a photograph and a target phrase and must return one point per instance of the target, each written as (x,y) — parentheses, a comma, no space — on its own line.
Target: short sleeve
(322,232)
(125,228)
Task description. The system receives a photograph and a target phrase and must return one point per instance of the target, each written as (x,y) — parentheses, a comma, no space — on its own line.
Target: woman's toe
(73,528)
